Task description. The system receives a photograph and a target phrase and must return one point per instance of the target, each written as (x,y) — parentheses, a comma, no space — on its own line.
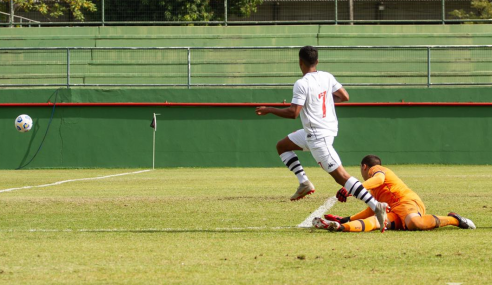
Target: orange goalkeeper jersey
(385,186)
(388,187)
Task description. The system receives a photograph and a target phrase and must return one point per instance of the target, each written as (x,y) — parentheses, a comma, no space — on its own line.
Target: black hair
(371,160)
(308,55)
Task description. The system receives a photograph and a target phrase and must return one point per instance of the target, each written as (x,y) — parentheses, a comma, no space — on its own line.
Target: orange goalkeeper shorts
(408,207)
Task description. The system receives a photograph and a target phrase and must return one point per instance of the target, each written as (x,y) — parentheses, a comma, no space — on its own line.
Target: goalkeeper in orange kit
(407,211)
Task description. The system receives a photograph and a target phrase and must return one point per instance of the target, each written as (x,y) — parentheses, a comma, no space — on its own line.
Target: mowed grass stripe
(154,230)
(231,226)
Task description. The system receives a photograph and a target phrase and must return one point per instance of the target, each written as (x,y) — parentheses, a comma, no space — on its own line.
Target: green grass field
(230,226)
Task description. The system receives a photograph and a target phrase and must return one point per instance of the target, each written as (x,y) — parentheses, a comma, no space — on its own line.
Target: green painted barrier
(236,136)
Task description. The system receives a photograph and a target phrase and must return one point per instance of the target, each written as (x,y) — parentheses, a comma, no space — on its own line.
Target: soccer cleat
(381,209)
(464,222)
(320,223)
(305,188)
(338,219)
(334,218)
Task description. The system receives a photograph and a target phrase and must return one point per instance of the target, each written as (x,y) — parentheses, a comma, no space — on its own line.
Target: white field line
(74,180)
(307,223)
(148,230)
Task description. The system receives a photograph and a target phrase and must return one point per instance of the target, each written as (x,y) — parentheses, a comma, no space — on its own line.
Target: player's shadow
(34,131)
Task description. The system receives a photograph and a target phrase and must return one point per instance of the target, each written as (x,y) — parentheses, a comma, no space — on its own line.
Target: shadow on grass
(218,230)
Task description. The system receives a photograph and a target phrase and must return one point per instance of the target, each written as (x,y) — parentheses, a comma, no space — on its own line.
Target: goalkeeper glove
(335,218)
(342,195)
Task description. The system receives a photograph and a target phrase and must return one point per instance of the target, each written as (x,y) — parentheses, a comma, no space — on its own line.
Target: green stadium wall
(120,137)
(235,136)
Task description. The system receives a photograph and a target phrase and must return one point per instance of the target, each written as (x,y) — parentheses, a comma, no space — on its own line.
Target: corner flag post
(153,125)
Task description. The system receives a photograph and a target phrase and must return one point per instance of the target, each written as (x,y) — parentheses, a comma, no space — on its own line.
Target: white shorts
(321,149)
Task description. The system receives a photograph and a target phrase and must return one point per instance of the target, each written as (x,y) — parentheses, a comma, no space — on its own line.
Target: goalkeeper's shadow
(219,230)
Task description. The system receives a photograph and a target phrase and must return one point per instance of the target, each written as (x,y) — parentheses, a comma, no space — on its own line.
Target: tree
(56,8)
(244,8)
(158,10)
(177,10)
(143,10)
(483,9)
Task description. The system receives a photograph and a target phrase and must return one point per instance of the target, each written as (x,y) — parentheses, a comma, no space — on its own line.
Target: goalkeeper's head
(367,162)
(371,160)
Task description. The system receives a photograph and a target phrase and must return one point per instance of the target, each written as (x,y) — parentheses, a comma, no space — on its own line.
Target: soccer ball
(23,123)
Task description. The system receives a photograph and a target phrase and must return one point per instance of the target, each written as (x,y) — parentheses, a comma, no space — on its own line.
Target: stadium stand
(384,66)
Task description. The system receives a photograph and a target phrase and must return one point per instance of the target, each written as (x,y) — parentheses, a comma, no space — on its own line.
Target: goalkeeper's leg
(370,224)
(428,222)
(413,212)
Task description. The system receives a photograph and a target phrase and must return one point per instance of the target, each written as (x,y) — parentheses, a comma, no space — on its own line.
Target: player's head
(367,162)
(308,57)
(371,160)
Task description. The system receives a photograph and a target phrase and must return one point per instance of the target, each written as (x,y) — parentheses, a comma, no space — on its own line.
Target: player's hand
(262,110)
(342,195)
(335,218)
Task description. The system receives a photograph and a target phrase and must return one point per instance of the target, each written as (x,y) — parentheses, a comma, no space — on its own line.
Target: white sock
(355,188)
(289,158)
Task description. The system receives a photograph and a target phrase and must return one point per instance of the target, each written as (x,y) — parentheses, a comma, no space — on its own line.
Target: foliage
(56,9)
(145,10)
(483,10)
(177,10)
(244,8)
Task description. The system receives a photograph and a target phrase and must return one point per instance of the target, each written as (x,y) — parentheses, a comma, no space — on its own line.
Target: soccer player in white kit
(313,99)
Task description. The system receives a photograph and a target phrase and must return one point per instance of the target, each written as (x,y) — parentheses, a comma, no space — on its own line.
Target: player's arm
(300,92)
(290,113)
(375,181)
(341,95)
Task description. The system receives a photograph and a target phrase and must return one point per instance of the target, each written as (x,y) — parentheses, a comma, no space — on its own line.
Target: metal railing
(265,12)
(188,67)
(21,19)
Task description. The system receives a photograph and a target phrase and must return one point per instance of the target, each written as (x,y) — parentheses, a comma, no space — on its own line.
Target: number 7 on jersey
(323,94)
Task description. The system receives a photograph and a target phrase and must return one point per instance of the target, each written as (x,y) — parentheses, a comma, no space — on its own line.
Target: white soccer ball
(23,123)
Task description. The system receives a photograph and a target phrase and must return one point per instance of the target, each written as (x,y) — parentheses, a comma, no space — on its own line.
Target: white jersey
(314,92)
